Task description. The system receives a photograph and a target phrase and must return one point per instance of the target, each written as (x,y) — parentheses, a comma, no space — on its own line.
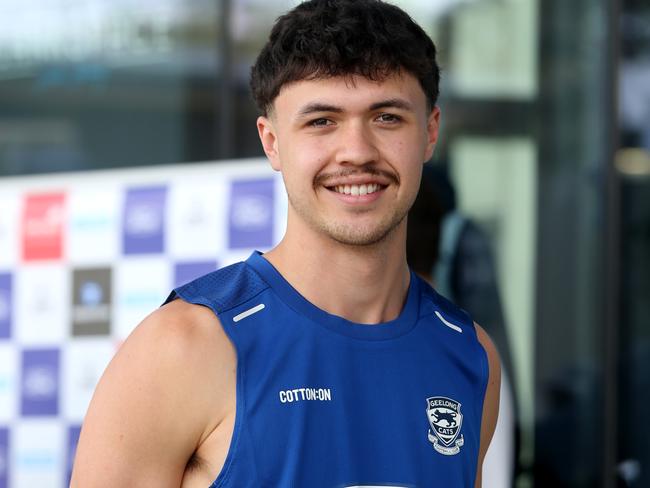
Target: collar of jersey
(386,330)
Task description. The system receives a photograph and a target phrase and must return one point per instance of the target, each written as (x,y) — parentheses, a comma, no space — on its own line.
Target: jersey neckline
(405,321)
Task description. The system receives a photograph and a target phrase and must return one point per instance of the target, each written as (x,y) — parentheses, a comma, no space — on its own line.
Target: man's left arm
(491,401)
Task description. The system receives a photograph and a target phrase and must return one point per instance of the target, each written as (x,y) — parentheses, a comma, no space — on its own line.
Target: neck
(364,284)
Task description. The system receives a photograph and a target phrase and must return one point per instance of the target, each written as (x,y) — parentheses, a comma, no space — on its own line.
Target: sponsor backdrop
(84,257)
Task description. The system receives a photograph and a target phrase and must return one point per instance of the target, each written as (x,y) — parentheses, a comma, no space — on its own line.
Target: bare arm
(491,401)
(152,407)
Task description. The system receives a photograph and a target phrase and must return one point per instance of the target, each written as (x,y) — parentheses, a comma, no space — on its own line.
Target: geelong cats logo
(445,420)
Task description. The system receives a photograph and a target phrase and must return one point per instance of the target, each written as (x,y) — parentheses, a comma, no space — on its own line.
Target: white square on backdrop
(37,454)
(197,218)
(10,211)
(140,285)
(42,298)
(94,225)
(83,363)
(9,374)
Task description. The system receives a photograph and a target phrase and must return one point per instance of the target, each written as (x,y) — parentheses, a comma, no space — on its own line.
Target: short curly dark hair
(326,38)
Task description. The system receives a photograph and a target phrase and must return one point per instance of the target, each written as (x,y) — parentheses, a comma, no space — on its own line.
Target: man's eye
(390,118)
(321,122)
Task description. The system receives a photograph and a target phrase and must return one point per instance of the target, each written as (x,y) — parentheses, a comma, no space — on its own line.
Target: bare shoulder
(491,400)
(183,328)
(490,349)
(165,390)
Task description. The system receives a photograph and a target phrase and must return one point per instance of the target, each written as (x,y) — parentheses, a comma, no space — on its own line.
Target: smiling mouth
(356,190)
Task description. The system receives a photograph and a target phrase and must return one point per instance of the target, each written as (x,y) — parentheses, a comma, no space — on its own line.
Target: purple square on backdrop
(251,214)
(5,305)
(186,272)
(73,439)
(144,220)
(40,382)
(4,457)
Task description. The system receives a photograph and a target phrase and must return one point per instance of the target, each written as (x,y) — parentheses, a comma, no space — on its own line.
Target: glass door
(633,169)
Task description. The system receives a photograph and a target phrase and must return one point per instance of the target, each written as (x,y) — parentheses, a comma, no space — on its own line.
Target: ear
(433,126)
(269,140)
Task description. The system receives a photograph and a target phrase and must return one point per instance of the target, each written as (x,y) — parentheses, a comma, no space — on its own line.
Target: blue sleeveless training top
(326,403)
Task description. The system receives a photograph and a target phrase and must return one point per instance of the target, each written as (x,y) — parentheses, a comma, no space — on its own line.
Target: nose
(357,145)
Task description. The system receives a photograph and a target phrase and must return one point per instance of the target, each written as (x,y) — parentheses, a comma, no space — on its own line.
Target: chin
(356,236)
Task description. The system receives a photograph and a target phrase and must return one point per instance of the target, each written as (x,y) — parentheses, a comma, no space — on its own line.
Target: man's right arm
(164,392)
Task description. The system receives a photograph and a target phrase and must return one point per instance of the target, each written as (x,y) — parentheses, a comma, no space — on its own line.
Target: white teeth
(357,190)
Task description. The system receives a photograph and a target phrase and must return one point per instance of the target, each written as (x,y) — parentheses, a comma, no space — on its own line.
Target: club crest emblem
(445,420)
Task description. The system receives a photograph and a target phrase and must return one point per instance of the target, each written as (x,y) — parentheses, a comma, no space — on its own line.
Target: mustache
(322,179)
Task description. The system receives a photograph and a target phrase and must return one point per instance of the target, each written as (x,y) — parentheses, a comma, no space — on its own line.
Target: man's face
(350,152)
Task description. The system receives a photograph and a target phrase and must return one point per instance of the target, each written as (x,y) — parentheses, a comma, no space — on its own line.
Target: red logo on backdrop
(43,226)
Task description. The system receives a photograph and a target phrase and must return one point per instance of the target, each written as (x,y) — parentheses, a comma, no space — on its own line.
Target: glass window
(633,168)
(95,84)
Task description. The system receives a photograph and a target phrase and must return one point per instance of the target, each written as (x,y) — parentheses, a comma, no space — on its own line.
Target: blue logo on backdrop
(91,293)
(144,220)
(186,272)
(40,382)
(4,457)
(37,459)
(251,214)
(73,439)
(7,383)
(90,223)
(142,299)
(5,305)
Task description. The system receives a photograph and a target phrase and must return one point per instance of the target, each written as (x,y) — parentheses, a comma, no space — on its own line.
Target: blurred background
(546,141)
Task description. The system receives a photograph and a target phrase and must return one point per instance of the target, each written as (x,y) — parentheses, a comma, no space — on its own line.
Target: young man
(324,362)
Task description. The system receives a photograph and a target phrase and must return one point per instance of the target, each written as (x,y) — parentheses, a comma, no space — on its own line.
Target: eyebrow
(316,107)
(392,103)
